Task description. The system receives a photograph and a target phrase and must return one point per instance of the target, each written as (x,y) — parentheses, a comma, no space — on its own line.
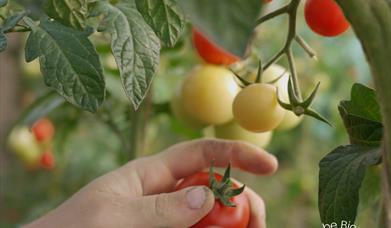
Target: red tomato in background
(43,130)
(47,160)
(211,52)
(325,17)
(221,215)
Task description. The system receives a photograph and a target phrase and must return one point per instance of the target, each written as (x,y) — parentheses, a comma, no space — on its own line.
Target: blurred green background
(86,145)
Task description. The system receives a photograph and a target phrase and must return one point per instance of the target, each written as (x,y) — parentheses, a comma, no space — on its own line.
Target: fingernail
(196,197)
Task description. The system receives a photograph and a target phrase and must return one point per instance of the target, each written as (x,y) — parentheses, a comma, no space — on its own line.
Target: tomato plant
(137,41)
(325,17)
(228,211)
(208,93)
(211,52)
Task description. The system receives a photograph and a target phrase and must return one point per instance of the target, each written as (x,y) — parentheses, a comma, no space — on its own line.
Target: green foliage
(342,171)
(341,174)
(134,45)
(69,62)
(11,21)
(3,3)
(228,23)
(165,17)
(361,116)
(72,13)
(8,24)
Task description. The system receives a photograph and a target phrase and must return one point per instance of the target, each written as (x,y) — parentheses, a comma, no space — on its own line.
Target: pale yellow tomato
(25,146)
(256,108)
(234,131)
(273,73)
(179,111)
(208,93)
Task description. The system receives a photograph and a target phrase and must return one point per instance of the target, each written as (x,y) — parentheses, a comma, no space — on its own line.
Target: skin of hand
(135,195)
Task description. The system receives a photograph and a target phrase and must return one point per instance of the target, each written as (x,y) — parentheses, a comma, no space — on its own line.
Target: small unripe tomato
(325,17)
(24,145)
(179,112)
(211,52)
(43,130)
(47,160)
(233,131)
(256,108)
(273,73)
(208,93)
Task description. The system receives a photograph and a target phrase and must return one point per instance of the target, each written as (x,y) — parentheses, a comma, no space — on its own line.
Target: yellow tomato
(208,93)
(23,143)
(274,72)
(256,108)
(234,131)
(179,111)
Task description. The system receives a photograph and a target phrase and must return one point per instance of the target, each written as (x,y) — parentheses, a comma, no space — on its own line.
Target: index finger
(161,172)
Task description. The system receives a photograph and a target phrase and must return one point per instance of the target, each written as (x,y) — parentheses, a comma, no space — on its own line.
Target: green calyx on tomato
(220,215)
(299,107)
(223,190)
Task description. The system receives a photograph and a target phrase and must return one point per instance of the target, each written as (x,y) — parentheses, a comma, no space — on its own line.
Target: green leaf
(134,45)
(69,62)
(12,20)
(71,13)
(340,177)
(229,23)
(165,18)
(363,103)
(40,108)
(361,116)
(3,42)
(3,3)
(361,131)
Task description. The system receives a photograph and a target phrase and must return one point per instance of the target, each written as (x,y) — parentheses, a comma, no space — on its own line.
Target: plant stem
(371,21)
(273,14)
(291,10)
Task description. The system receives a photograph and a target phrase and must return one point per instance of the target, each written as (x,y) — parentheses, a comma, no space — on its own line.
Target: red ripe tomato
(325,17)
(220,215)
(211,52)
(47,160)
(43,130)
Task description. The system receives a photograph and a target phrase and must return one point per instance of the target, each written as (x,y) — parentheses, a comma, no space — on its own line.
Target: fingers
(179,209)
(160,172)
(257,209)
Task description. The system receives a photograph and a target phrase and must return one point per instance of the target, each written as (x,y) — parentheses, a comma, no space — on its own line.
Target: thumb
(177,209)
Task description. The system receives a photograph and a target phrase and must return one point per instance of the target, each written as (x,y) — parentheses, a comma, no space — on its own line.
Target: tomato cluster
(33,146)
(210,95)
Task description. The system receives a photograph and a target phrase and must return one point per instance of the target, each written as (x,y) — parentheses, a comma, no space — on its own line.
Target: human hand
(135,195)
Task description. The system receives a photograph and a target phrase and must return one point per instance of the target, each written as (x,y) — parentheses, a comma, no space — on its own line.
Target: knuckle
(161,206)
